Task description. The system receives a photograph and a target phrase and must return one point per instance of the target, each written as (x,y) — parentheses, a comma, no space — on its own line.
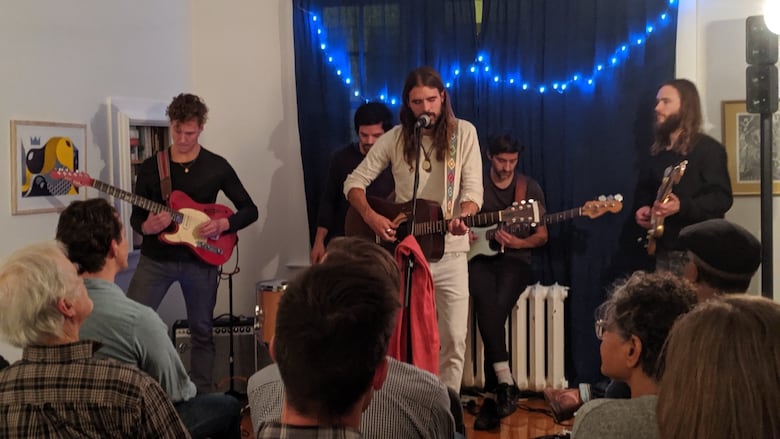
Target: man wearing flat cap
(722,257)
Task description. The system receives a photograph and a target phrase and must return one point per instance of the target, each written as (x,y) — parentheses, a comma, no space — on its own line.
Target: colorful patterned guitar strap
(452,159)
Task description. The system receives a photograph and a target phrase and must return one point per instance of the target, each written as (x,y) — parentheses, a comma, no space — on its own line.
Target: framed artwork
(37,148)
(741,136)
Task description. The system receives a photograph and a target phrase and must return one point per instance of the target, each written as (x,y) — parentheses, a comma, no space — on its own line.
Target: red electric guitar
(187,215)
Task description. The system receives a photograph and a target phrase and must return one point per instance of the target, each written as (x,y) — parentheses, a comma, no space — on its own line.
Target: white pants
(451,282)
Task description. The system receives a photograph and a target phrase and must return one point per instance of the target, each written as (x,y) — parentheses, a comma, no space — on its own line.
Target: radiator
(535,342)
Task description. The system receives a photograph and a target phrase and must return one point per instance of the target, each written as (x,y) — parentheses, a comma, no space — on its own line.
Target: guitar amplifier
(249,356)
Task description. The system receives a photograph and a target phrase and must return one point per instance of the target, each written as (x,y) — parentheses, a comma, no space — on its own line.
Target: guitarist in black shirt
(496,282)
(703,191)
(200,174)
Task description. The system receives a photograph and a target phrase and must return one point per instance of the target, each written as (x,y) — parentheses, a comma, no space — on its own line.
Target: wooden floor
(522,424)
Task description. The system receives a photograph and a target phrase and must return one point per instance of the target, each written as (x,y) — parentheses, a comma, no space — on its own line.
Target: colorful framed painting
(38,148)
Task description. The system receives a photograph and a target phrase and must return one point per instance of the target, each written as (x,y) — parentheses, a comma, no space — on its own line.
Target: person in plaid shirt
(57,389)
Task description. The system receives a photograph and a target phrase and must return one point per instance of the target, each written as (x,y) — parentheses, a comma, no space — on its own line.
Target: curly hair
(185,107)
(646,305)
(32,280)
(87,228)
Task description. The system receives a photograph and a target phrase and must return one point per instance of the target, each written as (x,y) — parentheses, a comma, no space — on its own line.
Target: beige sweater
(388,151)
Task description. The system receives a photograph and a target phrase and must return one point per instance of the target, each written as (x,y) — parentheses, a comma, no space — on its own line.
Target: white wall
(62,59)
(711,52)
(243,65)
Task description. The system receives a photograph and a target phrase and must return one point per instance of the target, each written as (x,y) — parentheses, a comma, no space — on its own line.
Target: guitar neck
(547,219)
(440,227)
(137,200)
(557,217)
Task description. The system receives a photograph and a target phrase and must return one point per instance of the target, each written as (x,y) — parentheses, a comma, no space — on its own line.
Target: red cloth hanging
(424,328)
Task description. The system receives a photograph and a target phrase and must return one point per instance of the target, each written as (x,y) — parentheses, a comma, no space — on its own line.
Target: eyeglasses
(601,326)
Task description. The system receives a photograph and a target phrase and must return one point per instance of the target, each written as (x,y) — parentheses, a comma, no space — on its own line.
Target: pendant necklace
(426,164)
(188,165)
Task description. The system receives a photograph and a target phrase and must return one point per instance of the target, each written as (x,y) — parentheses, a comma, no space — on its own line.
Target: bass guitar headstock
(602,205)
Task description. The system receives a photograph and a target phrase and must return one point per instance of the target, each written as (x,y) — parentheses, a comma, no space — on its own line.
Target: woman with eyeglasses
(632,326)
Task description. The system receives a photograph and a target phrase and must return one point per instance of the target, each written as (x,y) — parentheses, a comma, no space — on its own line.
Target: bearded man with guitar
(450,174)
(200,174)
(684,155)
(496,282)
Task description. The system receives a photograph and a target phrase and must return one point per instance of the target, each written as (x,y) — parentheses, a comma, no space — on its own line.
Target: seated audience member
(333,326)
(632,327)
(130,332)
(722,257)
(721,371)
(58,389)
(412,403)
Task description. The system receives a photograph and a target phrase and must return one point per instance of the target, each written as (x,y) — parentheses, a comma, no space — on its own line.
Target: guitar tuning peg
(514,203)
(522,202)
(602,198)
(619,197)
(531,200)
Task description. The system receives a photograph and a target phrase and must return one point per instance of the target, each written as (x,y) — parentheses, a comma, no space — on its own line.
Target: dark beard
(664,130)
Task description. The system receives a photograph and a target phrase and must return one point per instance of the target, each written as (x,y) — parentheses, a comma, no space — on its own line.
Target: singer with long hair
(450,174)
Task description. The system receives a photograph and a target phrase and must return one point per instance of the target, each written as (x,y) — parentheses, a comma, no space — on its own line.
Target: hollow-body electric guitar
(185,213)
(672,176)
(484,243)
(430,225)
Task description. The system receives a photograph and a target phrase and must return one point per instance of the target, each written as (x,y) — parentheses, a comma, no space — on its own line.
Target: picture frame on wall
(38,148)
(741,137)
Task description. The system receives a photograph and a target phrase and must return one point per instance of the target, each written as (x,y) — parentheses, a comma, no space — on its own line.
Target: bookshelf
(138,128)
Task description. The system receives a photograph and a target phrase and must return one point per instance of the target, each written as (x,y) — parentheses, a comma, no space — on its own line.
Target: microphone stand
(407,318)
(231,352)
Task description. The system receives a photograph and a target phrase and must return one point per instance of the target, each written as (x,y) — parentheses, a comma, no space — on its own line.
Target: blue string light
(341,64)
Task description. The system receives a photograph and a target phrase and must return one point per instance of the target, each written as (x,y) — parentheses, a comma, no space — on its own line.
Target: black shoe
(488,416)
(507,396)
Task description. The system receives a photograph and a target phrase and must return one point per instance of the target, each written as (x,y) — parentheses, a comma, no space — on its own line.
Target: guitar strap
(164,169)
(452,157)
(521,186)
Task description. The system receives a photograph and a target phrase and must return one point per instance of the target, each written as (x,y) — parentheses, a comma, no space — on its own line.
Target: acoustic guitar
(485,244)
(186,214)
(672,176)
(430,225)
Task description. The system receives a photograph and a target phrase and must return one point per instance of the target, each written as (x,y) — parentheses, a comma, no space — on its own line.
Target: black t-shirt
(495,199)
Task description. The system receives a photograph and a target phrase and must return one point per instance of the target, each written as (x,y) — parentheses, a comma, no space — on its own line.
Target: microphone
(424,121)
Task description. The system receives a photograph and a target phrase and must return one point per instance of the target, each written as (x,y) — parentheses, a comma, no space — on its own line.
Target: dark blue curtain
(582,142)
(369,47)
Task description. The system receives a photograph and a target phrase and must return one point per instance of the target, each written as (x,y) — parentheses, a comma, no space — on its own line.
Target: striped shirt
(412,403)
(275,430)
(61,391)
